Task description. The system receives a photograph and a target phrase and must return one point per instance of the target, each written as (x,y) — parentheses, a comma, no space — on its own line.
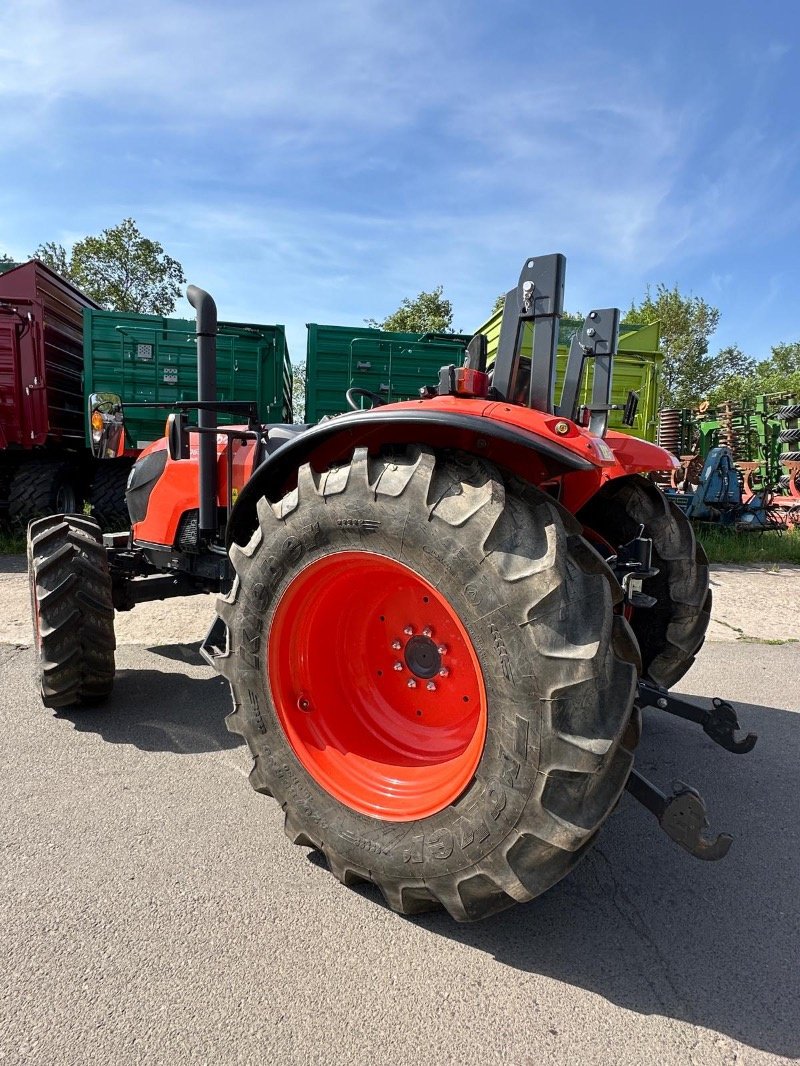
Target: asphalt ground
(152,910)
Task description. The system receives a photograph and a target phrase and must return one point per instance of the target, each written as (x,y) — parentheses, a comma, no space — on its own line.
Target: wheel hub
(422,658)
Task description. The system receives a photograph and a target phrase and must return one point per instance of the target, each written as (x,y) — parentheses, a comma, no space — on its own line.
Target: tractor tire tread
(107,494)
(671,633)
(548,573)
(73,610)
(34,489)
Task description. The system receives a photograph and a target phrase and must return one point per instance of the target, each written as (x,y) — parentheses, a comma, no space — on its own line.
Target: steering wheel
(352,394)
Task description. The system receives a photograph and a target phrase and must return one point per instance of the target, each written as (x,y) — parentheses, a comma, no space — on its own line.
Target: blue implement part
(718,491)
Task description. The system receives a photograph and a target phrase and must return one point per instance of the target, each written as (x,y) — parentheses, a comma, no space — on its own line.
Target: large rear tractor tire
(427,666)
(73,614)
(48,487)
(671,633)
(108,494)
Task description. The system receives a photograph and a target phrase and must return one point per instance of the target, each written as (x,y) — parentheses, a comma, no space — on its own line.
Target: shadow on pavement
(157,711)
(180,653)
(644,925)
(13,564)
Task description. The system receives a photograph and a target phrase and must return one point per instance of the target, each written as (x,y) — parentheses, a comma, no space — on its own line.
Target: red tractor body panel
(176,490)
(542,448)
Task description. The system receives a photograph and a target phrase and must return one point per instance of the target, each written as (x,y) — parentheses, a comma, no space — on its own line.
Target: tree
(55,256)
(687,323)
(5,258)
(734,372)
(299,391)
(429,312)
(781,371)
(121,270)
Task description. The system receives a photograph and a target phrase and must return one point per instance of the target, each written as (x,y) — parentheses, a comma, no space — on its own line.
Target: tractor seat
(280,434)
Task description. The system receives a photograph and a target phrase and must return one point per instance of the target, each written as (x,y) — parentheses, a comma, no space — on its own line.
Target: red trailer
(45,466)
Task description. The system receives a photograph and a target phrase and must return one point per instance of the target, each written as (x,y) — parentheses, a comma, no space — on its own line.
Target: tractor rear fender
(469,426)
(631,456)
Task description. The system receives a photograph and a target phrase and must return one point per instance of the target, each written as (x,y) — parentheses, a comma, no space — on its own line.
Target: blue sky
(320,161)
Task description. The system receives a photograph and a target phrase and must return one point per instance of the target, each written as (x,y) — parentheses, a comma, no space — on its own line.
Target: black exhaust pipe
(206,392)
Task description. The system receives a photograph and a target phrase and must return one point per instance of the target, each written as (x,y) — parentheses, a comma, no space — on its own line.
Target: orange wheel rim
(377,686)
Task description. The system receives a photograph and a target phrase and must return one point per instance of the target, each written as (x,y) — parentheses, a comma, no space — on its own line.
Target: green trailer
(637,367)
(150,359)
(393,365)
(397,365)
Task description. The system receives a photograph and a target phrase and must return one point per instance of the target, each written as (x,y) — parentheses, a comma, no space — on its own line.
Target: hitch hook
(719,722)
(682,816)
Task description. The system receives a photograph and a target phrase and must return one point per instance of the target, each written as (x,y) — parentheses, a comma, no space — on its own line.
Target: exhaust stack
(206,310)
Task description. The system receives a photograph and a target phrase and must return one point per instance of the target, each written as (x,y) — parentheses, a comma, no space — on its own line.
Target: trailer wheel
(672,632)
(44,488)
(786,414)
(107,494)
(73,615)
(788,436)
(426,664)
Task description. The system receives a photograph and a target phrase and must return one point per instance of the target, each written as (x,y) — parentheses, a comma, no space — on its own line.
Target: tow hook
(682,815)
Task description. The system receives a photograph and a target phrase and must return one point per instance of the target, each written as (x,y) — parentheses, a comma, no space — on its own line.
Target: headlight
(97,426)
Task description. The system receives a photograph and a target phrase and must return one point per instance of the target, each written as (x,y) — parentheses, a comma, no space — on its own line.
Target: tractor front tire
(426,663)
(107,495)
(73,614)
(671,633)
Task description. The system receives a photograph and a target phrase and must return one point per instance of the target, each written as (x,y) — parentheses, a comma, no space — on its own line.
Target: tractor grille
(187,531)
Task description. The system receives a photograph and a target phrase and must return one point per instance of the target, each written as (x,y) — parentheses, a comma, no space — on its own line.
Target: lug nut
(398,666)
(408,630)
(396,645)
(431,686)
(427,631)
(411,683)
(442,649)
(444,672)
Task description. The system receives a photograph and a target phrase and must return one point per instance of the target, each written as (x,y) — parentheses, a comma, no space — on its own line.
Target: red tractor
(440,619)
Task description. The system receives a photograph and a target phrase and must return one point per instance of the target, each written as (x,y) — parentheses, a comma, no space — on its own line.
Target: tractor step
(719,721)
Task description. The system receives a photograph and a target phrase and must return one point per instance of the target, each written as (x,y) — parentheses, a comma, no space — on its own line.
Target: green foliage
(55,256)
(781,372)
(299,391)
(727,546)
(11,543)
(5,258)
(687,323)
(121,270)
(429,312)
(734,374)
(499,303)
(747,379)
